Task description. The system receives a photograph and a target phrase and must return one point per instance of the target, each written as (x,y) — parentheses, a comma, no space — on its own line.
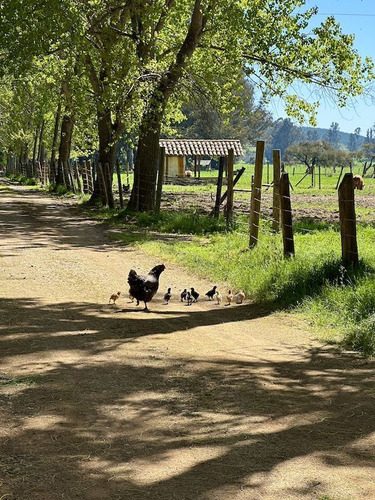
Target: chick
(194,294)
(229,298)
(114,297)
(183,295)
(240,297)
(168,296)
(218,297)
(211,293)
(189,299)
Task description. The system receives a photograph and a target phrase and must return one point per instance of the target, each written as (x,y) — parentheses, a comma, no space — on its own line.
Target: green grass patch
(172,222)
(22,179)
(341,302)
(17,381)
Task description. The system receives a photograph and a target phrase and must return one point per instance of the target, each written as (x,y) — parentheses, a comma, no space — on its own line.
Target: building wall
(174,166)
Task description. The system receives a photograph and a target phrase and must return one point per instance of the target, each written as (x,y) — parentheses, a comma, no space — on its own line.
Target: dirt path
(187,403)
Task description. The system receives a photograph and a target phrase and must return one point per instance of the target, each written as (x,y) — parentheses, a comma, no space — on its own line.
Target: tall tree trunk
(34,151)
(108,140)
(142,197)
(65,145)
(146,165)
(40,150)
(54,143)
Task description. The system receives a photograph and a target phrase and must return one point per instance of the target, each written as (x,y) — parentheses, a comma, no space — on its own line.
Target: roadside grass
(339,302)
(25,181)
(192,222)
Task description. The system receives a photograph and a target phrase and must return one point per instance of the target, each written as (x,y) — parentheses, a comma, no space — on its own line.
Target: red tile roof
(201,147)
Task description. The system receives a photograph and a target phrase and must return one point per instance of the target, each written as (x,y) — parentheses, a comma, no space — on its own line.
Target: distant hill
(322,134)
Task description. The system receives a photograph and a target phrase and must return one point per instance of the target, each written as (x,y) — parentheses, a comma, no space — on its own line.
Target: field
(319,204)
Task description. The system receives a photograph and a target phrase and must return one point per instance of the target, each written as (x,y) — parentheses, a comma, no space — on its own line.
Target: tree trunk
(40,150)
(54,143)
(142,198)
(108,140)
(65,145)
(146,166)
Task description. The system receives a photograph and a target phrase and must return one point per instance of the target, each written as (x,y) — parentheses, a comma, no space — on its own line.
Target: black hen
(143,288)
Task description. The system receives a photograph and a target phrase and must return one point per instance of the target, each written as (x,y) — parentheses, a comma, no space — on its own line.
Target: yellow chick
(218,297)
(114,297)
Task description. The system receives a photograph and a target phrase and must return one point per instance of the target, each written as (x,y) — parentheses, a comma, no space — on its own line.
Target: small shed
(176,151)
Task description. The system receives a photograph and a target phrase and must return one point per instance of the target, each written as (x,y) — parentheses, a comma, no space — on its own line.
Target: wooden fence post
(71,177)
(320,177)
(348,221)
(256,194)
(216,212)
(235,180)
(286,215)
(159,187)
(118,171)
(90,177)
(339,179)
(76,172)
(276,190)
(102,185)
(85,178)
(230,188)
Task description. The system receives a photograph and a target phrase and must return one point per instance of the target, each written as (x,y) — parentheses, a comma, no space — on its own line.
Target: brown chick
(114,297)
(229,298)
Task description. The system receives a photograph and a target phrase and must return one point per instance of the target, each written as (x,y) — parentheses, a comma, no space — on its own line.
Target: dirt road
(199,402)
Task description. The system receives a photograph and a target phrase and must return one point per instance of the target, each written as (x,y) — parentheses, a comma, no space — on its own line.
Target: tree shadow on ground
(142,423)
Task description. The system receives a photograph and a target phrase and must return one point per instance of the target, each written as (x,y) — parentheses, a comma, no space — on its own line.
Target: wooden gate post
(230,188)
(76,173)
(85,178)
(91,175)
(159,187)
(276,190)
(256,194)
(118,171)
(286,215)
(348,227)
(218,188)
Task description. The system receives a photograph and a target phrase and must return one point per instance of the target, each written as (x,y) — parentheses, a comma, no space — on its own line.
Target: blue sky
(357,17)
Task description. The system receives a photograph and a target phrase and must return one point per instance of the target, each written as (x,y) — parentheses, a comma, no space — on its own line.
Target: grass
(340,302)
(192,222)
(22,179)
(16,381)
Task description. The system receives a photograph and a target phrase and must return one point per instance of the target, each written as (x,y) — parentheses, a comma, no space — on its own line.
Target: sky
(356,17)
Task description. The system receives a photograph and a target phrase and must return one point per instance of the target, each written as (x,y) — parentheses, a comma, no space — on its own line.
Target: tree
(332,135)
(368,147)
(317,153)
(204,121)
(266,40)
(355,140)
(283,134)
(312,135)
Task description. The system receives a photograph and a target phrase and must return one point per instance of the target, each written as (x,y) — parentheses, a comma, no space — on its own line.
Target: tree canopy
(132,64)
(319,153)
